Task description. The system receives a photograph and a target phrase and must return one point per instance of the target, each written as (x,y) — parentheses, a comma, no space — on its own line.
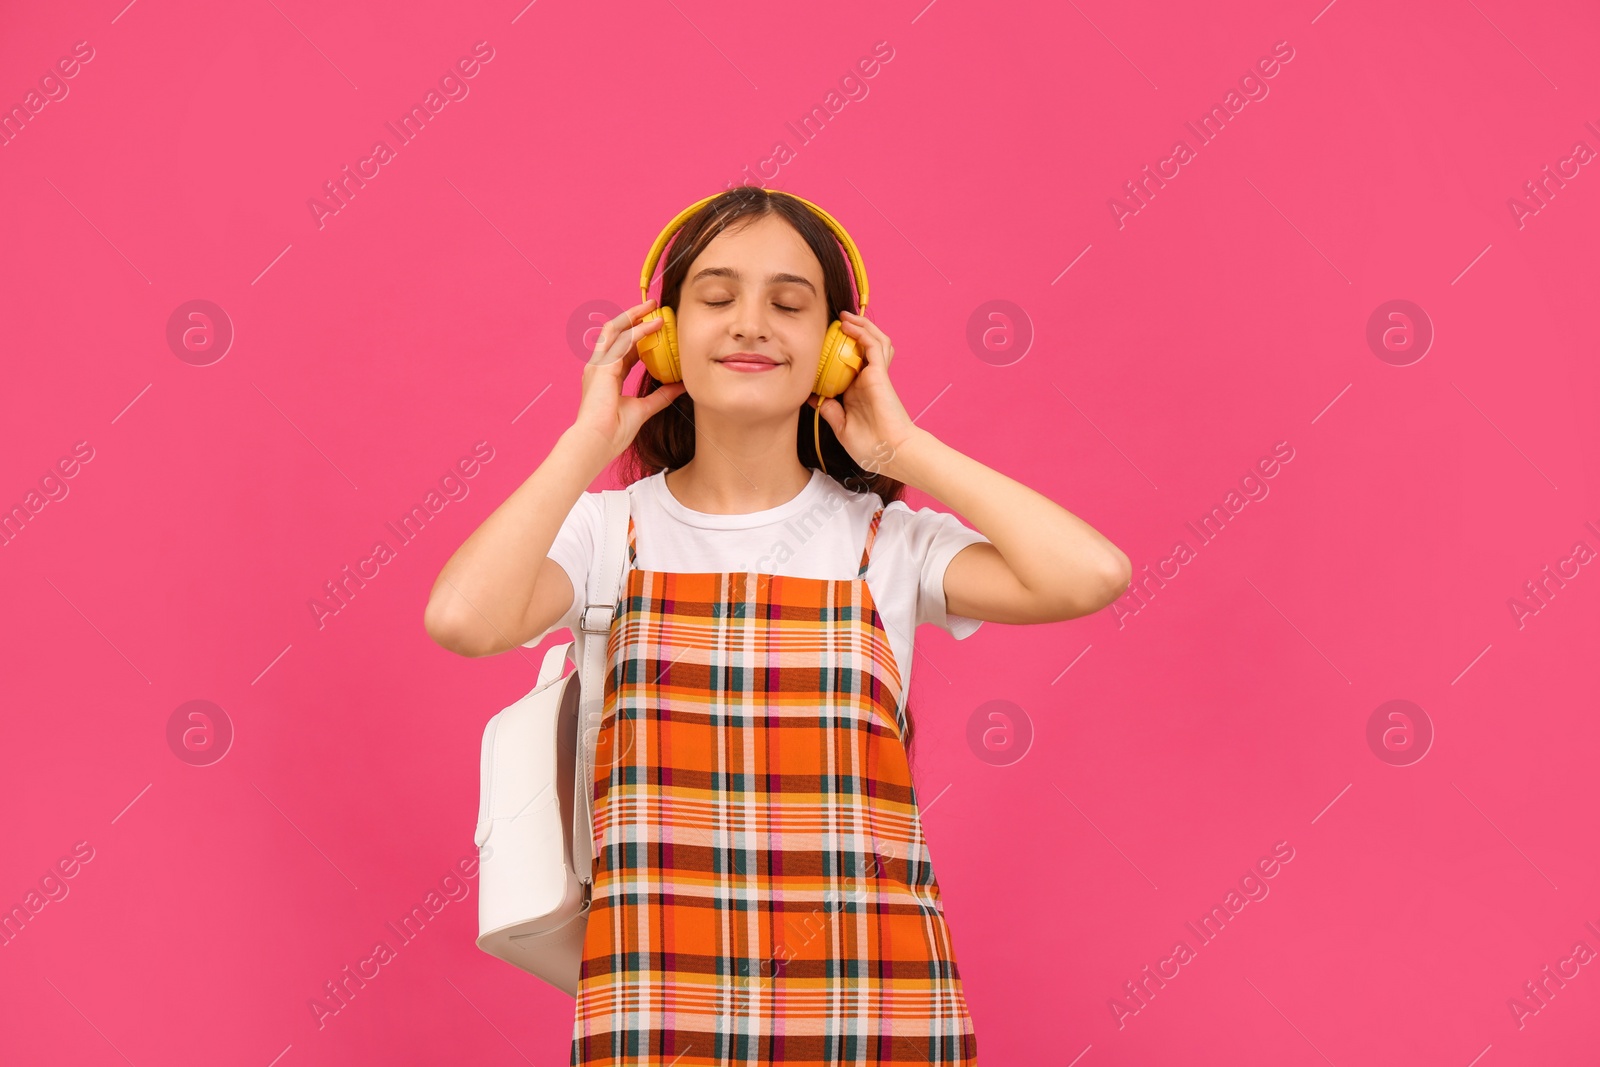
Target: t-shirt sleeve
(573,550)
(935,537)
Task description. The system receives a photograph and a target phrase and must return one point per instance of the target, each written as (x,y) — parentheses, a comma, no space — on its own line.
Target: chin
(754,399)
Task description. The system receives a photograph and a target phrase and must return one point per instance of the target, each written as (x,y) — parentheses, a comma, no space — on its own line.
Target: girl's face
(755,292)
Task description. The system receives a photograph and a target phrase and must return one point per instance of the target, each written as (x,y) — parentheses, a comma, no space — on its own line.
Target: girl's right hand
(605,415)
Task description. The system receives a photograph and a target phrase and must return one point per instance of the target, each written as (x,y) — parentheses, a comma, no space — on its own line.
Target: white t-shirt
(818,534)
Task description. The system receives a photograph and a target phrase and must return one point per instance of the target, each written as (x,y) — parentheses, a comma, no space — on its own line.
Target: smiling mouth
(746,362)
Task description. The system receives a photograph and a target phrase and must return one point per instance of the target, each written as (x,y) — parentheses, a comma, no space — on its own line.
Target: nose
(751,323)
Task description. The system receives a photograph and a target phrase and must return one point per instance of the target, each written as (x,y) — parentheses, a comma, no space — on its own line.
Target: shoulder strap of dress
(872,534)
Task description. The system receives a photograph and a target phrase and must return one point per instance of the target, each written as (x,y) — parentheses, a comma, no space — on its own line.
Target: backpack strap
(604,590)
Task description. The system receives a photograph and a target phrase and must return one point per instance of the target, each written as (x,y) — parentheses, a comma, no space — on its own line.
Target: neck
(739,465)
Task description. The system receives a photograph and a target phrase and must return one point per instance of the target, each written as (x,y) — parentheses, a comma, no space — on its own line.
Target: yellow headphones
(841,359)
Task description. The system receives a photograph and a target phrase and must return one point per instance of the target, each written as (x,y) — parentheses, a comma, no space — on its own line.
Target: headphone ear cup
(840,362)
(659,350)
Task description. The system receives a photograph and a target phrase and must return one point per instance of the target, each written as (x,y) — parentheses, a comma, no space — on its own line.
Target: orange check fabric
(762,890)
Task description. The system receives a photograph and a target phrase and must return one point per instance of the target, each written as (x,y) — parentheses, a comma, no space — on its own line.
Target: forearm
(484,591)
(1053,554)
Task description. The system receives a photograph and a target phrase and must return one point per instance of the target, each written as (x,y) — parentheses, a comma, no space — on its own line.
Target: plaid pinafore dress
(762,890)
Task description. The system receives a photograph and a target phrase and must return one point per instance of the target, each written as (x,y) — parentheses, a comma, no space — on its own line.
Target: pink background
(1228,713)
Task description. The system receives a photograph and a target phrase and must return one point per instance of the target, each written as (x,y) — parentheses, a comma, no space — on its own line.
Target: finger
(629,343)
(612,327)
(833,415)
(866,327)
(832,410)
(658,400)
(623,350)
(615,326)
(872,345)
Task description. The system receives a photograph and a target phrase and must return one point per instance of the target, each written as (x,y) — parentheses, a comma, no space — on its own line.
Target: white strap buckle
(599,625)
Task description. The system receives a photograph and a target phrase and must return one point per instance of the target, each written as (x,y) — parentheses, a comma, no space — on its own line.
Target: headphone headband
(854,255)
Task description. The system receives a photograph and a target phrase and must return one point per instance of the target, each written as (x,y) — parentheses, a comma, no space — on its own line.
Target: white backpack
(535,832)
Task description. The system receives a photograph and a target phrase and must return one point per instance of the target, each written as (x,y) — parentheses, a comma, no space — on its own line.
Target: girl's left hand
(871,423)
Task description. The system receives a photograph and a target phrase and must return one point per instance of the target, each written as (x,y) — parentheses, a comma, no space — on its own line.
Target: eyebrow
(772,279)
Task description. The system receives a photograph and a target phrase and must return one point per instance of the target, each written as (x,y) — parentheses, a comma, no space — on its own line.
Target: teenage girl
(762,891)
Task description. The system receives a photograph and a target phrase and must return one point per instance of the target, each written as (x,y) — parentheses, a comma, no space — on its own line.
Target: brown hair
(666,440)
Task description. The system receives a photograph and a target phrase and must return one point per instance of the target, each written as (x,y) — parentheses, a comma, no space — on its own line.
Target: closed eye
(725,303)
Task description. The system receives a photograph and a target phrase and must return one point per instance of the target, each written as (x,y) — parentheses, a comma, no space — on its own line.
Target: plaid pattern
(763,893)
